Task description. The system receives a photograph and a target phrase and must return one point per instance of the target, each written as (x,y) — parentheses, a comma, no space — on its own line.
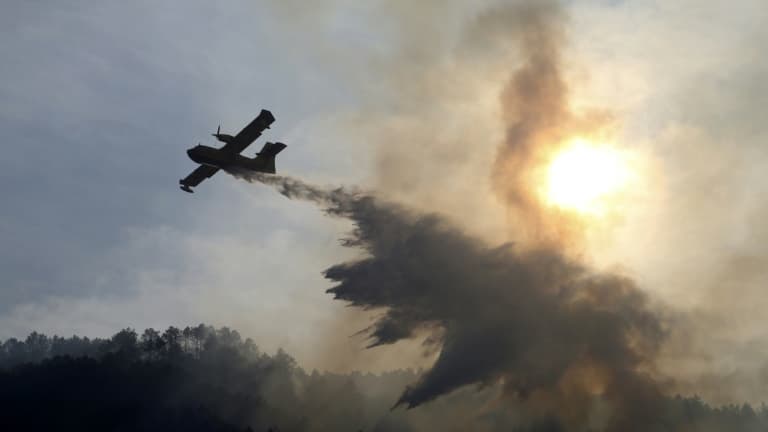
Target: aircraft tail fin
(266,157)
(270,150)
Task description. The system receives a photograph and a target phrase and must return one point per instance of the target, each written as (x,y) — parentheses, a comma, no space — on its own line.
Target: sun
(584,176)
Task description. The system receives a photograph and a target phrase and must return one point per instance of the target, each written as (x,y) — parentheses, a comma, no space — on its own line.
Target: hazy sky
(99,102)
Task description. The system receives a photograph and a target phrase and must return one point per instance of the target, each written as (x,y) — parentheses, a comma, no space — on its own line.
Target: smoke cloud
(556,335)
(560,339)
(537,117)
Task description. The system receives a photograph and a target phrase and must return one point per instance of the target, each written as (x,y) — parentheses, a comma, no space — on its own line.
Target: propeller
(218,131)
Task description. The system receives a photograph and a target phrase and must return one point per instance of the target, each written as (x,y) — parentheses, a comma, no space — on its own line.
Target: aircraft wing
(249,133)
(197,176)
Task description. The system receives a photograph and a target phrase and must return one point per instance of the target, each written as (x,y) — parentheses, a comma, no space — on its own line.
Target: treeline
(196,378)
(692,413)
(207,379)
(173,343)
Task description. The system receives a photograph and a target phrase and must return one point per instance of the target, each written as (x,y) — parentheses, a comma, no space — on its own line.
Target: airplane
(228,157)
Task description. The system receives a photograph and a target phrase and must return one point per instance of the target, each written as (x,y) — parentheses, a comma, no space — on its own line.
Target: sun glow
(584,176)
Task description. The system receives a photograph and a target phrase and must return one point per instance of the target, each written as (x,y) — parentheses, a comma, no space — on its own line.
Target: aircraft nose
(192,153)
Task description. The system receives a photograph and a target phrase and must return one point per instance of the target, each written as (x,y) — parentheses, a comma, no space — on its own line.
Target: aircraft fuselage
(228,161)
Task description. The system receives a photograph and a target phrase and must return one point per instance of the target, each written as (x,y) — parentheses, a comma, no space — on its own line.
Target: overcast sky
(99,101)
(99,104)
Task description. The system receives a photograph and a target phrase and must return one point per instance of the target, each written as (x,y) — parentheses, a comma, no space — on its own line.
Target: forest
(207,379)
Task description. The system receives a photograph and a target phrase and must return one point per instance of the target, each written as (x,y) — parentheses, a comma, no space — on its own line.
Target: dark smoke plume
(559,338)
(562,340)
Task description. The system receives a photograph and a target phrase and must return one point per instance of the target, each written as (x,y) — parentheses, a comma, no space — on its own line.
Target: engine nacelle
(225,138)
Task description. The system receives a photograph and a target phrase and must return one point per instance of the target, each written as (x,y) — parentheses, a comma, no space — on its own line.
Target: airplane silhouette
(228,157)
